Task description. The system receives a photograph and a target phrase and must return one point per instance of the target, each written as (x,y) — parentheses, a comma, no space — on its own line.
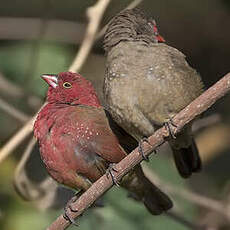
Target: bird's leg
(69,207)
(140,148)
(109,171)
(168,126)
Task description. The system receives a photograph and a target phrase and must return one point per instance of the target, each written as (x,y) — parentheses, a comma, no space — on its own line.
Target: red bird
(77,144)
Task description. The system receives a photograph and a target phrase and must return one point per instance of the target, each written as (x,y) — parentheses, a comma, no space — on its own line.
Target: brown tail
(187,160)
(142,189)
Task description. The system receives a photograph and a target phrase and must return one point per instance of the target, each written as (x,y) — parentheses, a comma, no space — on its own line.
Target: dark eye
(67,85)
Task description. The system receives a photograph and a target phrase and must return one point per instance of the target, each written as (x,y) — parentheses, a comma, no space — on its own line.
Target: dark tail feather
(187,160)
(154,199)
(142,189)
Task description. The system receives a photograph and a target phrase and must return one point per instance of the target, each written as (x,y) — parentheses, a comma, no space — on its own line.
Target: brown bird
(77,144)
(147,82)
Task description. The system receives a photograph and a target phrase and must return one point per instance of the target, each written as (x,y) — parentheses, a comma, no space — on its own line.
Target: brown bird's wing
(98,136)
(98,146)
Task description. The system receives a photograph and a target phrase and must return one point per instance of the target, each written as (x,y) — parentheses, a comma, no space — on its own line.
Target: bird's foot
(67,216)
(140,148)
(168,125)
(110,171)
(68,208)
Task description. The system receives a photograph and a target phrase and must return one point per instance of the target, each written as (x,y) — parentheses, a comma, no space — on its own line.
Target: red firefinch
(77,144)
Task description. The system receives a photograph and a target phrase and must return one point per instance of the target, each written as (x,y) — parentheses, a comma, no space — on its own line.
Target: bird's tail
(142,189)
(187,159)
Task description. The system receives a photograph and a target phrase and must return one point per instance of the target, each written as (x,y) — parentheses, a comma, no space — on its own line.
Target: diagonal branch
(8,108)
(194,109)
(16,139)
(94,15)
(133,4)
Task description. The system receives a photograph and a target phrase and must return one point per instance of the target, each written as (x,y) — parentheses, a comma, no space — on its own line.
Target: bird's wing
(97,135)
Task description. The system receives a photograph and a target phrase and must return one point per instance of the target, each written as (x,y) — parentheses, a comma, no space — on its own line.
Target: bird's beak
(52,80)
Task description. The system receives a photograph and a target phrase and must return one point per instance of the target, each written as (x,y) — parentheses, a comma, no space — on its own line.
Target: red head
(70,88)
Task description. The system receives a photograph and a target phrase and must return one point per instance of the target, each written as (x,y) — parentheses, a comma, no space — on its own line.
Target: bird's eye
(67,85)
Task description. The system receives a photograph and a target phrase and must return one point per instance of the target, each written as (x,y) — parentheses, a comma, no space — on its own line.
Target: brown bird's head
(70,88)
(131,25)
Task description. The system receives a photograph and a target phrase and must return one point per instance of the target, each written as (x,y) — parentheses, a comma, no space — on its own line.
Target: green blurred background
(43,36)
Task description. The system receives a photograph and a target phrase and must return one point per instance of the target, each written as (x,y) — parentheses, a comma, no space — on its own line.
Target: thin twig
(20,174)
(10,88)
(13,111)
(130,6)
(16,139)
(27,28)
(193,110)
(94,15)
(182,220)
(43,195)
